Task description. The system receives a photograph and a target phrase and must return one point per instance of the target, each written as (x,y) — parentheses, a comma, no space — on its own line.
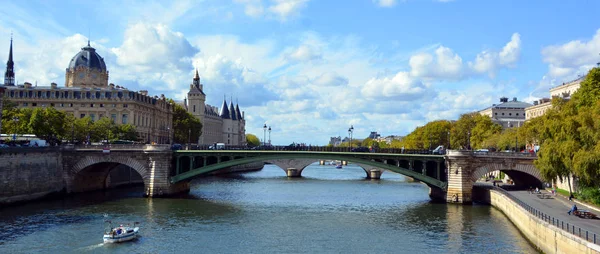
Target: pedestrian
(571,197)
(573,209)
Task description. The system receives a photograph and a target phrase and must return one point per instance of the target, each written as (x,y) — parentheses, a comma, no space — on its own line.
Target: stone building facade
(88,93)
(565,90)
(508,113)
(225,126)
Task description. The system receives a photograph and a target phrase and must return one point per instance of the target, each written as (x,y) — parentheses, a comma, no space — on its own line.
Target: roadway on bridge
(558,207)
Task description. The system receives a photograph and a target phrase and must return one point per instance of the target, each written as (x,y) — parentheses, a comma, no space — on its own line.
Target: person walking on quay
(573,209)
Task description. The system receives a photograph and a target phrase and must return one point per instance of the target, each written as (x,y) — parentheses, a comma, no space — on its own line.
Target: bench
(584,214)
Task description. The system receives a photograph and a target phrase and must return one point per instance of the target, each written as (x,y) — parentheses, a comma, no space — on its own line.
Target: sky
(310,69)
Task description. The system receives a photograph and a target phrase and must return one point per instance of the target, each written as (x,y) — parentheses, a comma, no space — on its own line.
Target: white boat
(121,234)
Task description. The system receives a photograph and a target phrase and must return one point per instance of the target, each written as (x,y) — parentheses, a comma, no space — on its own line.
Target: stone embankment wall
(545,236)
(29,173)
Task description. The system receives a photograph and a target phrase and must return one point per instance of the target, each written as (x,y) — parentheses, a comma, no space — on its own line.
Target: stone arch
(368,168)
(522,170)
(139,167)
(299,164)
(77,182)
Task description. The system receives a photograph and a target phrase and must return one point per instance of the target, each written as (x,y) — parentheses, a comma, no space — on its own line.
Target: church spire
(196,81)
(9,75)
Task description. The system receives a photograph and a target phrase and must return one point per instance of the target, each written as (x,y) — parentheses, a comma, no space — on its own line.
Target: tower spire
(9,75)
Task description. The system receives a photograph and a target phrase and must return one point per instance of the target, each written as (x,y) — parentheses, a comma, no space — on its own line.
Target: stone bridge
(164,172)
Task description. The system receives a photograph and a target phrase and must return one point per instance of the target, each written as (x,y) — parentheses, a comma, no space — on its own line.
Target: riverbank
(542,230)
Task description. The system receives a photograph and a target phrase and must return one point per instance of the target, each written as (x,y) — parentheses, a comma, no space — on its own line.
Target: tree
(186,127)
(47,123)
(252,140)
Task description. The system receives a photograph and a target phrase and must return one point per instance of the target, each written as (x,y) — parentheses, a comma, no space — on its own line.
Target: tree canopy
(252,140)
(186,127)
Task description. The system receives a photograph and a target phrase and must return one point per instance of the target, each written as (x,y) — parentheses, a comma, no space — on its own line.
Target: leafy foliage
(252,140)
(186,127)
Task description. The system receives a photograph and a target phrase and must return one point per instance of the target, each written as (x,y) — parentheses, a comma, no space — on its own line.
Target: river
(328,210)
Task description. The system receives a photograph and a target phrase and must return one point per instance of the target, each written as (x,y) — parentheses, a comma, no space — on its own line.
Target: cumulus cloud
(154,47)
(445,65)
(330,79)
(572,57)
(385,3)
(489,61)
(402,86)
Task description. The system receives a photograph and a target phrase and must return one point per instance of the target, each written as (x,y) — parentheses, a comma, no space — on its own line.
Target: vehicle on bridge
(361,149)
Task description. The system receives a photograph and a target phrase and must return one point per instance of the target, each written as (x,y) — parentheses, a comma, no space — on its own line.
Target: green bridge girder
(248,156)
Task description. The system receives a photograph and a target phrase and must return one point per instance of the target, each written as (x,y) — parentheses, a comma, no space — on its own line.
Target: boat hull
(122,237)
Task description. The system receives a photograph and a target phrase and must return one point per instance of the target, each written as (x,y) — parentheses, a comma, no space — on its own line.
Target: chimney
(503,99)
(53,85)
(112,86)
(144,92)
(514,98)
(535,103)
(27,85)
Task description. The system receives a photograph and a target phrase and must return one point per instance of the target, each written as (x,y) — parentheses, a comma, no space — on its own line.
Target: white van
(439,150)
(37,143)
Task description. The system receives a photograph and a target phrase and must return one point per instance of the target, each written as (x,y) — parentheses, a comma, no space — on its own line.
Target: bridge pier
(293,172)
(322,162)
(157,181)
(344,163)
(374,174)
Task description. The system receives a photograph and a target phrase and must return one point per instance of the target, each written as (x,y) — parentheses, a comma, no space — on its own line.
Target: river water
(328,210)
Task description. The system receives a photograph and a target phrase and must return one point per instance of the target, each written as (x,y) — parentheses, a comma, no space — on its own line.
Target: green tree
(186,127)
(252,140)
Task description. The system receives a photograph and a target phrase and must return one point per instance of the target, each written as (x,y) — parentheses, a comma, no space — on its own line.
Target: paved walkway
(558,207)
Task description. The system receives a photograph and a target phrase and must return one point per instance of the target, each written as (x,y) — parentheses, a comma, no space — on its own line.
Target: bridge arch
(524,175)
(306,158)
(91,172)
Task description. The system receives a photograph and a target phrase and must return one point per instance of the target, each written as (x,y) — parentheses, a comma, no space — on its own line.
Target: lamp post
(169,135)
(265,134)
(72,131)
(350,131)
(16,121)
(516,144)
(269,135)
(448,147)
(469,140)
(189,138)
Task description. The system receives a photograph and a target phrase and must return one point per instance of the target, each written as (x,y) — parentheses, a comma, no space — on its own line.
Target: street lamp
(265,134)
(16,121)
(169,135)
(448,147)
(350,131)
(189,138)
(269,135)
(469,140)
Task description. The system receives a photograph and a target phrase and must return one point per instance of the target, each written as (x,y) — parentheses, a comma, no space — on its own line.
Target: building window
(124,105)
(100,116)
(82,116)
(51,104)
(93,116)
(194,108)
(502,113)
(101,105)
(517,113)
(113,118)
(71,105)
(124,119)
(24,104)
(33,104)
(496,113)
(114,105)
(510,114)
(92,105)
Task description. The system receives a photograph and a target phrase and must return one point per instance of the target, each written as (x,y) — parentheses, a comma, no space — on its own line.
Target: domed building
(88,93)
(87,69)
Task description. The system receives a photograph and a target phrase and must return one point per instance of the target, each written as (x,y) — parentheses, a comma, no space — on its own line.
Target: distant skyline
(310,69)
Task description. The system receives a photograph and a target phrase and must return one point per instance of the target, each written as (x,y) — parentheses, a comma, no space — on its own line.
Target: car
(4,146)
(360,149)
(176,147)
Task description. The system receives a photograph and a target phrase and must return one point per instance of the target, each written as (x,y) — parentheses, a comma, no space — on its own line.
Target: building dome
(88,57)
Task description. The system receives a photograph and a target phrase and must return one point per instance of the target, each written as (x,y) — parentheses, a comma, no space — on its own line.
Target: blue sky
(312,68)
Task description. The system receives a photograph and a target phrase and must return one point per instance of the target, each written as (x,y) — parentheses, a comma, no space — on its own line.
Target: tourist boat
(338,166)
(121,233)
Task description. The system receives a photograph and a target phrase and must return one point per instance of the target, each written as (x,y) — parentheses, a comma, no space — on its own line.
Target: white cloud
(154,48)
(402,87)
(572,57)
(279,9)
(445,64)
(385,3)
(330,79)
(304,53)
